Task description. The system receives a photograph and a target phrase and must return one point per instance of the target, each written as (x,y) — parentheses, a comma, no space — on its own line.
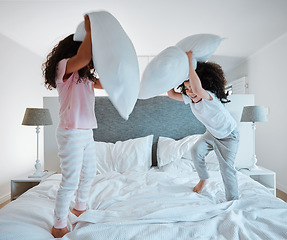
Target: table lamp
(253,114)
(37,117)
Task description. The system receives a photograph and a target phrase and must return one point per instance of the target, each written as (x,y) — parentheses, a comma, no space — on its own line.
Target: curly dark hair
(66,48)
(212,79)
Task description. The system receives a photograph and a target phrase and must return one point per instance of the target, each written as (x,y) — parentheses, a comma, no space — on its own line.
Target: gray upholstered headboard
(160,116)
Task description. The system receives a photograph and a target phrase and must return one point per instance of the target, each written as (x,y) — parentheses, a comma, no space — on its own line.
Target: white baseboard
(5,198)
(281,187)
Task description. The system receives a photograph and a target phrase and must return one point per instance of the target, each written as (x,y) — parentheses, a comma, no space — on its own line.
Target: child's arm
(84,54)
(178,96)
(195,82)
(175,95)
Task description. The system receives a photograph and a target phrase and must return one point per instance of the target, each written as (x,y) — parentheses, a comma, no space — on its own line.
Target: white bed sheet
(152,205)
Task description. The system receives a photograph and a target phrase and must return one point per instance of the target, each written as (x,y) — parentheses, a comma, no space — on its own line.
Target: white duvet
(152,205)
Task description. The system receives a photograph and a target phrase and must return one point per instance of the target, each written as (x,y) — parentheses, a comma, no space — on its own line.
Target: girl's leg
(71,156)
(226,150)
(198,152)
(88,173)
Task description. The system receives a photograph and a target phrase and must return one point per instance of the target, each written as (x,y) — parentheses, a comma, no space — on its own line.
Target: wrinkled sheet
(152,205)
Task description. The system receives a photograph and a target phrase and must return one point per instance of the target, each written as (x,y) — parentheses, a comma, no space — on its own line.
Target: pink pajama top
(77,100)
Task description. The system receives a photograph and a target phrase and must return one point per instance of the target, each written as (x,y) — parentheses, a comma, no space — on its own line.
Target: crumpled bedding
(151,205)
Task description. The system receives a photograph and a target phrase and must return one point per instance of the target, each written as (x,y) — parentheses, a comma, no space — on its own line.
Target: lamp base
(253,167)
(37,175)
(253,161)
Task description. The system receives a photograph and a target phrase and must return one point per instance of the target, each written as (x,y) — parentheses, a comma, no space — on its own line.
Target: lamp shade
(37,117)
(253,114)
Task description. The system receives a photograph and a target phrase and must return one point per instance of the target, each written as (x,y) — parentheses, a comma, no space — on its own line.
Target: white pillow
(165,71)
(115,60)
(170,68)
(176,154)
(170,150)
(122,156)
(202,46)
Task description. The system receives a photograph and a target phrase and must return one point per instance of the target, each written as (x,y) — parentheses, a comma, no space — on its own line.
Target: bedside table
(264,176)
(22,184)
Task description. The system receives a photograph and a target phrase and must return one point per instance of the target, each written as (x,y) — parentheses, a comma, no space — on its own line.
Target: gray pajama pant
(225,150)
(78,166)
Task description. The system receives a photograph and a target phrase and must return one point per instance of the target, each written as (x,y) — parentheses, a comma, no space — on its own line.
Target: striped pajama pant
(78,166)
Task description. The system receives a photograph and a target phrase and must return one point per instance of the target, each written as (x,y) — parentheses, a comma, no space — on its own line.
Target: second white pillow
(123,156)
(165,71)
(202,46)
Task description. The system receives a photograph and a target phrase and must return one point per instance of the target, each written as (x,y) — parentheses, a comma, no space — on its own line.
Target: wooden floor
(279,194)
(4,203)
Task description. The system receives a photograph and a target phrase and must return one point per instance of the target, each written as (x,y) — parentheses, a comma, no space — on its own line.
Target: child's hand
(189,55)
(87,24)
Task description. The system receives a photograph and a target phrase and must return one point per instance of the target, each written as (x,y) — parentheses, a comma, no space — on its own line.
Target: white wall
(21,87)
(266,72)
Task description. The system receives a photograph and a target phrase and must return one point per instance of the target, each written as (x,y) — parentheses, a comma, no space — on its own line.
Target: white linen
(124,156)
(151,205)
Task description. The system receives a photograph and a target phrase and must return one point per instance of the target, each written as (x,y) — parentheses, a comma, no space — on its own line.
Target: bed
(143,186)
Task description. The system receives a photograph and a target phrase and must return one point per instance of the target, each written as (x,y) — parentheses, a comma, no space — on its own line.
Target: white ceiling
(152,25)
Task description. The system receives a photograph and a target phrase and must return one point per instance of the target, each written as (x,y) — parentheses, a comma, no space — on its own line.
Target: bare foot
(199,186)
(59,232)
(77,212)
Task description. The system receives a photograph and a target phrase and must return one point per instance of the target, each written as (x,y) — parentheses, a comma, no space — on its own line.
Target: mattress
(151,205)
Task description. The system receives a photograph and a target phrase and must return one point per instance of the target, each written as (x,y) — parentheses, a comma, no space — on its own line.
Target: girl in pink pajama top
(69,69)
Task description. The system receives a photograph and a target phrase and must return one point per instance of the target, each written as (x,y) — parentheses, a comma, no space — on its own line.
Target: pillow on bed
(165,71)
(124,156)
(176,155)
(115,60)
(202,46)
(170,150)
